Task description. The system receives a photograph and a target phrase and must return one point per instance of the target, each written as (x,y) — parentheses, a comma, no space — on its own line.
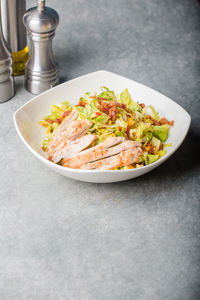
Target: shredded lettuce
(150,158)
(167,145)
(161,132)
(125,98)
(93,105)
(153,112)
(141,131)
(102,119)
(107,94)
(156,143)
(162,153)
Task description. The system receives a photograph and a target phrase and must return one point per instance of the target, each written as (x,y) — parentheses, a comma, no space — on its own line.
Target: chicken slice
(65,123)
(122,159)
(71,148)
(75,130)
(112,151)
(57,137)
(125,158)
(91,154)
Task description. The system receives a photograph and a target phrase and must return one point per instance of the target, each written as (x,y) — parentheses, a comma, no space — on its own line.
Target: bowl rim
(59,167)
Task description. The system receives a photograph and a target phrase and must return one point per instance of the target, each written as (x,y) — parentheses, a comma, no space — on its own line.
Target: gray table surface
(139,239)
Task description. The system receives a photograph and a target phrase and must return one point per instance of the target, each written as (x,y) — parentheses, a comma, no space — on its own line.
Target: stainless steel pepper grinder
(6,78)
(41,70)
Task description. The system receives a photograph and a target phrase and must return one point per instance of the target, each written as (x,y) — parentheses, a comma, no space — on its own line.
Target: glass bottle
(15,33)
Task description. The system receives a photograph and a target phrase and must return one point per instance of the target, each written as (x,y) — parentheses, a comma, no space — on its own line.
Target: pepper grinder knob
(41,70)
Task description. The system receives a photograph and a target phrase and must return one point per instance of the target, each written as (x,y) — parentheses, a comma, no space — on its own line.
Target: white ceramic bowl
(32,134)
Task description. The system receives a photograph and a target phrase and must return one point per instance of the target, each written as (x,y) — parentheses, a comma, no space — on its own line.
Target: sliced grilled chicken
(57,142)
(91,154)
(125,158)
(75,130)
(122,159)
(100,154)
(65,123)
(71,148)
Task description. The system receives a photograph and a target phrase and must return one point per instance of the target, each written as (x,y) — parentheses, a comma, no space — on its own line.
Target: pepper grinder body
(41,69)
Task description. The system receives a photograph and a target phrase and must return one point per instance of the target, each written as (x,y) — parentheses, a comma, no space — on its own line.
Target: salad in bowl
(105,131)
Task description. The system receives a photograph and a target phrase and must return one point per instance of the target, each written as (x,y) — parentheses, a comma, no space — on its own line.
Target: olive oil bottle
(14,31)
(19,61)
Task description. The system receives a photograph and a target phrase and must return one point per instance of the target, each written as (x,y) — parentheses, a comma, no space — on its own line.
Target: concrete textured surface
(137,240)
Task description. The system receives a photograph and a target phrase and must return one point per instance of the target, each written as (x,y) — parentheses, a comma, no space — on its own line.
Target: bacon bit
(128,132)
(161,122)
(147,148)
(130,167)
(153,120)
(58,120)
(66,113)
(43,148)
(123,106)
(113,113)
(142,105)
(134,166)
(49,121)
(153,149)
(165,121)
(81,103)
(104,107)
(110,108)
